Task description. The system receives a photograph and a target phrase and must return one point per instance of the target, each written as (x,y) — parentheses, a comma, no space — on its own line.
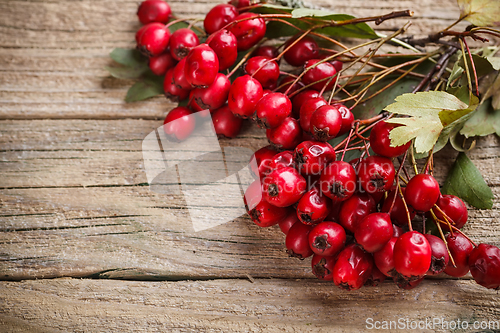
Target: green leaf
(127,72)
(145,89)
(480,12)
(456,72)
(425,130)
(483,122)
(483,65)
(492,90)
(128,57)
(465,181)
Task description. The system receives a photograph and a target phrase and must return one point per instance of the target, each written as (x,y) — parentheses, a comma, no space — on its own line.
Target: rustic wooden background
(86,246)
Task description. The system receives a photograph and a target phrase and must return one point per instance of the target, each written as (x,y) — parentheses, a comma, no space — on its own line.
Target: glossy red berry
(460,249)
(154,39)
(179,76)
(322,267)
(172,91)
(218,17)
(311,157)
(159,65)
(226,124)
(181,42)
(264,70)
(354,209)
(260,160)
(202,66)
(272,109)
(338,181)
(347,118)
(384,258)
(281,160)
(266,51)
(313,207)
(224,45)
(454,209)
(422,192)
(352,268)
(304,49)
(440,256)
(376,174)
(215,95)
(244,95)
(287,135)
(179,123)
(307,110)
(284,187)
(374,231)
(296,241)
(398,212)
(326,122)
(299,100)
(248,32)
(484,263)
(289,221)
(154,11)
(323,72)
(262,213)
(381,143)
(139,32)
(327,238)
(412,255)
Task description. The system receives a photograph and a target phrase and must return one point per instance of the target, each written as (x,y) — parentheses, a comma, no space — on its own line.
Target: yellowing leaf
(425,130)
(449,116)
(423,104)
(480,12)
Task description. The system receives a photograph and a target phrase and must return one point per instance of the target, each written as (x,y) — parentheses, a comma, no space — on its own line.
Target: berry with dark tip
(283,187)
(313,207)
(297,242)
(181,42)
(327,238)
(352,268)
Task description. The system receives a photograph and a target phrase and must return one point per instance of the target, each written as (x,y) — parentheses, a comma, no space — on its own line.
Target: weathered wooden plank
(239,306)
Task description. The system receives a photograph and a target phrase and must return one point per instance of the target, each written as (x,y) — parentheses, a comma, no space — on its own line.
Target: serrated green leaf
(483,65)
(465,181)
(128,57)
(127,72)
(483,122)
(425,130)
(480,12)
(145,89)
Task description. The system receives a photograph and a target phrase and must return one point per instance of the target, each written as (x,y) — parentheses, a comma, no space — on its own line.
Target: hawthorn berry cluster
(354,218)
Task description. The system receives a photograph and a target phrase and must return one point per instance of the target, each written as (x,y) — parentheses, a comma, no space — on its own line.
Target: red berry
(154,11)
(374,231)
(381,143)
(337,64)
(484,262)
(289,221)
(323,71)
(272,109)
(454,208)
(353,268)
(322,267)
(161,64)
(305,49)
(248,32)
(284,187)
(224,45)
(179,123)
(194,106)
(347,118)
(281,160)
(296,241)
(338,181)
(139,33)
(384,258)
(172,91)
(311,157)
(313,207)
(244,95)
(268,73)
(327,238)
(218,17)
(376,174)
(460,249)
(287,135)
(153,40)
(215,95)
(307,110)
(299,100)
(354,209)
(179,76)
(422,192)
(202,66)
(412,255)
(440,256)
(266,51)
(398,212)
(181,42)
(262,158)
(262,213)
(240,3)
(226,124)
(376,277)
(326,122)
(285,84)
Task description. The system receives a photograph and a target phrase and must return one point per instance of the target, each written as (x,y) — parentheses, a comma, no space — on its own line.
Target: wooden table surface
(85,245)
